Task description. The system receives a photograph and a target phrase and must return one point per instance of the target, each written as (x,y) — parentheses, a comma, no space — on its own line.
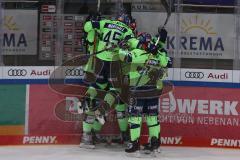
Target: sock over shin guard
(88,122)
(135,127)
(97,126)
(121,117)
(153,126)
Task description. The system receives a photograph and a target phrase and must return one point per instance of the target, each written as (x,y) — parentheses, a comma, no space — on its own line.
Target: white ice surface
(73,152)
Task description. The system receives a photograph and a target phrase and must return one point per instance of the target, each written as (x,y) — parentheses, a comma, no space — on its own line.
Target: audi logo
(196,75)
(74,72)
(17,72)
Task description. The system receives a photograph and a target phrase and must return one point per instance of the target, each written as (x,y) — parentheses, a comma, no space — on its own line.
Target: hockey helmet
(123,17)
(133,24)
(144,39)
(93,16)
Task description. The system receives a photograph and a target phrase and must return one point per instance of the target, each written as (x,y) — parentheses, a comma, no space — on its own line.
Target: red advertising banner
(197,114)
(42,117)
(189,116)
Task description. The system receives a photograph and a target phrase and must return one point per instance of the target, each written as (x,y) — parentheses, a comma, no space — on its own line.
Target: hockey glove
(93,16)
(163,35)
(152,48)
(154,75)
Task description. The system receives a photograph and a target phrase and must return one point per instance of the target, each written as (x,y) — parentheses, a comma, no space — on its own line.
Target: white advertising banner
(41,72)
(27,72)
(20,32)
(71,72)
(206,75)
(201,35)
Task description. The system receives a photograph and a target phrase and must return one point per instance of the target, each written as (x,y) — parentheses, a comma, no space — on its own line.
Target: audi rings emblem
(17,72)
(196,75)
(74,72)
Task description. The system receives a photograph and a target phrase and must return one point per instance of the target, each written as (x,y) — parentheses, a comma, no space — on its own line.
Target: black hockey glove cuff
(163,35)
(152,48)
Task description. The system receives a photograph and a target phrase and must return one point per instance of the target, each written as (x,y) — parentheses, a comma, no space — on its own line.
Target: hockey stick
(83,57)
(168,9)
(95,36)
(98,5)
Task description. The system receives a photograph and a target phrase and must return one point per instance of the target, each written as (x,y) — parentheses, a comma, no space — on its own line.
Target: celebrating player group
(125,65)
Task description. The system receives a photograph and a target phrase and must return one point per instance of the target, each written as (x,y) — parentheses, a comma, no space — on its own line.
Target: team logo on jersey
(153,62)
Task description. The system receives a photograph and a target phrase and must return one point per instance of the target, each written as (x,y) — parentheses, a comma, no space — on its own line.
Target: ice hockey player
(91,124)
(151,65)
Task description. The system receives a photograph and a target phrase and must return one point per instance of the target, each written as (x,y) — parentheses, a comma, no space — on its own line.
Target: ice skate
(97,138)
(151,149)
(87,141)
(122,139)
(133,149)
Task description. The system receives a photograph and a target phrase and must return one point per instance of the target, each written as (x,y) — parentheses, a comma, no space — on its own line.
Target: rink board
(194,113)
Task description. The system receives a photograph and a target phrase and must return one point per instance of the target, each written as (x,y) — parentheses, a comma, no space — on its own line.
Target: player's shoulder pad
(120,24)
(104,21)
(88,26)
